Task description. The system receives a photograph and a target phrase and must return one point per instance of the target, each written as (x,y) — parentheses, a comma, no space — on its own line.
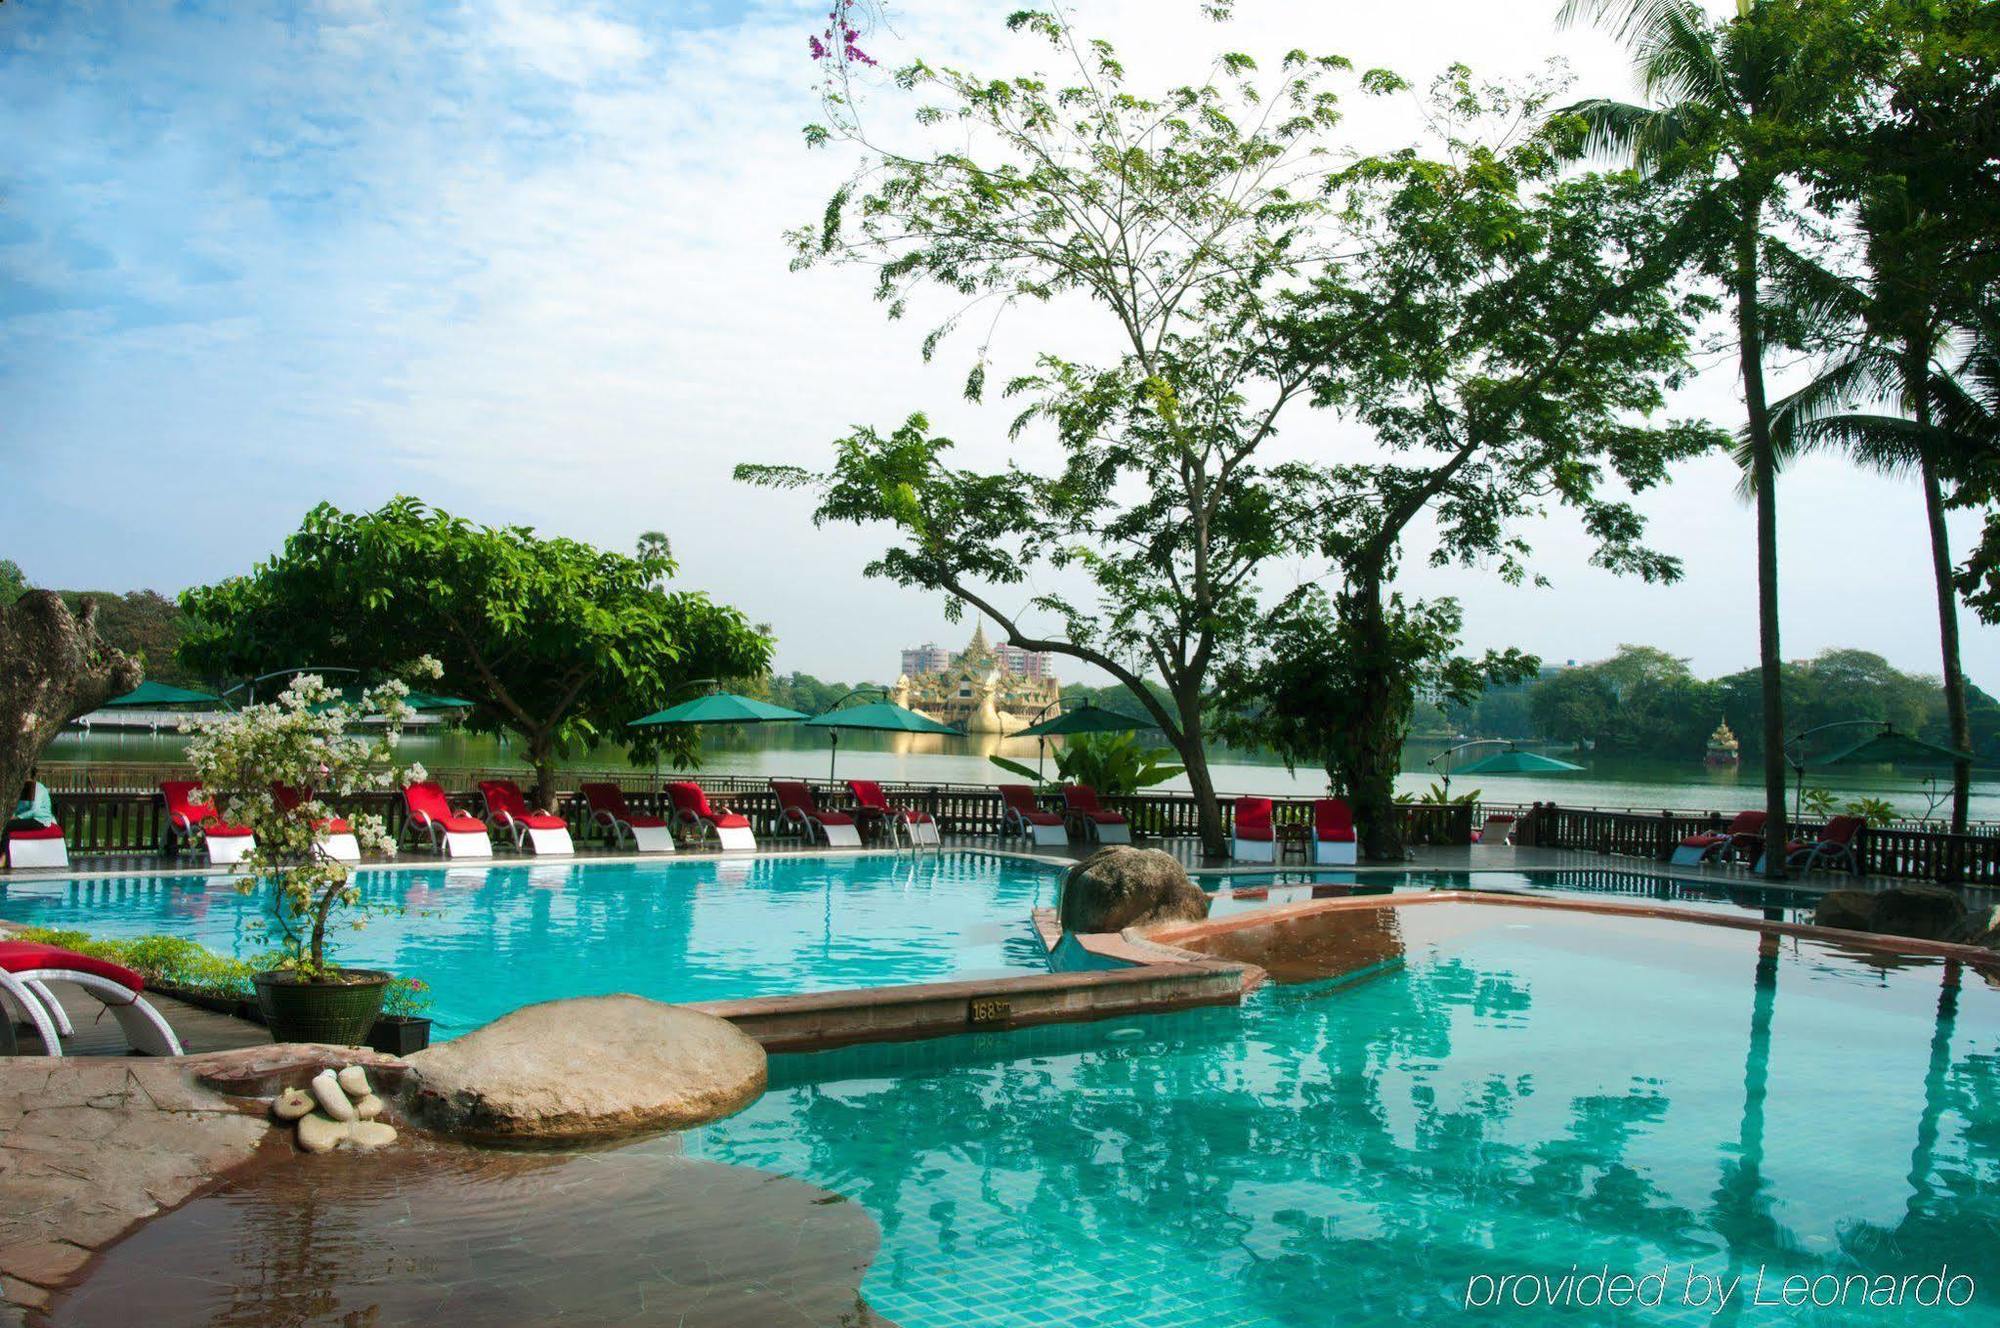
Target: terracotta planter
(340,1011)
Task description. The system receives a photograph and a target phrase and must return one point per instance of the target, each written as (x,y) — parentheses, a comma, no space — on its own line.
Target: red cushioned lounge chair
(1255,839)
(797,807)
(1333,833)
(506,808)
(1497,831)
(868,796)
(1742,840)
(1024,816)
(26,969)
(648,834)
(1090,816)
(335,838)
(731,829)
(1838,846)
(192,817)
(447,832)
(37,846)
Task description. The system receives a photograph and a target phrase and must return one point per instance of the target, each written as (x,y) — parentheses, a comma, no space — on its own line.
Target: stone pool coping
(1155,980)
(1175,935)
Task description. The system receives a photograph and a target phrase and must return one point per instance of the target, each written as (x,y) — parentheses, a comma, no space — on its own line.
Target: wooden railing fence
(100,820)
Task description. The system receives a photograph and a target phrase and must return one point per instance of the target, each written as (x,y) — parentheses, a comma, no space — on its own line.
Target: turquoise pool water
(492,939)
(1520,1093)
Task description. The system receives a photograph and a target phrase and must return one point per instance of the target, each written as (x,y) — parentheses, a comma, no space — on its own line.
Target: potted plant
(300,743)
(403,1027)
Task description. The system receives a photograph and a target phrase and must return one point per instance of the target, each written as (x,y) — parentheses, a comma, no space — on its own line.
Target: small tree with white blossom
(300,741)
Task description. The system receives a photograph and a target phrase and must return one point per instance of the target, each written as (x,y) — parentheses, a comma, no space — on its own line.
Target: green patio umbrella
(877,717)
(1518,763)
(1892,748)
(424,703)
(719,708)
(161,696)
(1086,718)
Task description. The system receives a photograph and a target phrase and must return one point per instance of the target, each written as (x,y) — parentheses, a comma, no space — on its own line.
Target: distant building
(926,658)
(982,688)
(930,657)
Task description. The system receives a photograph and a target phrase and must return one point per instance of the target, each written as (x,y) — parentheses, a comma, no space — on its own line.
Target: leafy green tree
(1177,221)
(1738,109)
(1506,335)
(1317,694)
(1642,701)
(1575,706)
(551,639)
(1926,258)
(13,581)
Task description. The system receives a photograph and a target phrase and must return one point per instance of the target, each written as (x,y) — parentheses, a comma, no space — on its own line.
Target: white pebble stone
(332,1101)
(354,1082)
(368,1135)
(292,1104)
(322,1134)
(368,1108)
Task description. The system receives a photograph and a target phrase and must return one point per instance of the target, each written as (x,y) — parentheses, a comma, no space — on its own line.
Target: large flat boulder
(1850,910)
(1927,912)
(601,1067)
(1119,887)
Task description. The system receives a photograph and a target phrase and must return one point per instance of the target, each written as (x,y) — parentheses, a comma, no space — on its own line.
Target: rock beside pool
(1927,912)
(601,1067)
(1923,912)
(1119,887)
(1850,910)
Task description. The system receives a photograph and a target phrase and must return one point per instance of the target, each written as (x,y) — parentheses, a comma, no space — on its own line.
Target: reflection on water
(778,749)
(454,1237)
(1524,1092)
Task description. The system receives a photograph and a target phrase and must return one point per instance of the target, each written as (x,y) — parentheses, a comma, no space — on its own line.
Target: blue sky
(524,258)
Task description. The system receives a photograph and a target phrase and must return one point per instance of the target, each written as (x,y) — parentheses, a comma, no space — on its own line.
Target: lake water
(788,751)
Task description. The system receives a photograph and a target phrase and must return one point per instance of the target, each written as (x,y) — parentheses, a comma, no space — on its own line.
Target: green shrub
(171,961)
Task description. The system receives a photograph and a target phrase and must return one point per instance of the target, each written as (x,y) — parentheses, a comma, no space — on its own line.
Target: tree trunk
(53,668)
(541,755)
(1954,671)
(1764,473)
(1372,754)
(1208,810)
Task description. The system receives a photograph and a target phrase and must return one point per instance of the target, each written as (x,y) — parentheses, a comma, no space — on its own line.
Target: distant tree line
(1644,701)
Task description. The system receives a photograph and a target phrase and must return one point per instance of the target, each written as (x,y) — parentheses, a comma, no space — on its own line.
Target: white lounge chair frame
(1253,850)
(451,843)
(1041,836)
(1504,824)
(37,852)
(1334,852)
(144,1028)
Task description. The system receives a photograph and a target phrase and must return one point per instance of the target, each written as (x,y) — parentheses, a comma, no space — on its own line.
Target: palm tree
(1727,102)
(1894,327)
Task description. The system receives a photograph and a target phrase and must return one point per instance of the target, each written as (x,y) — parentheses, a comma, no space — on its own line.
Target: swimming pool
(492,939)
(1521,1093)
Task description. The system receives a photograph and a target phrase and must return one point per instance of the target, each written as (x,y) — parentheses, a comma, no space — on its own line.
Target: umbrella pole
(832,752)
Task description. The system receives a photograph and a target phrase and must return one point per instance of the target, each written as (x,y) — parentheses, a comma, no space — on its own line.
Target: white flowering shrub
(301,741)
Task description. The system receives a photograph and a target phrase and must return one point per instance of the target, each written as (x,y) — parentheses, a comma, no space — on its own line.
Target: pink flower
(818,51)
